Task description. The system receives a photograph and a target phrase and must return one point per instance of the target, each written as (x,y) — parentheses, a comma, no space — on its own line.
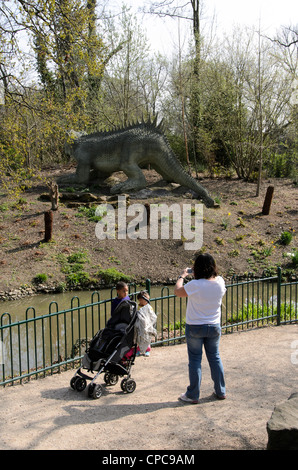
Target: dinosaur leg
(163,174)
(82,174)
(97,175)
(135,180)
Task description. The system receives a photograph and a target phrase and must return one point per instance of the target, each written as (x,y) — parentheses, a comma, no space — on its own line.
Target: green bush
(286,238)
(72,266)
(79,257)
(40,278)
(88,212)
(79,278)
(294,256)
(112,276)
(257,311)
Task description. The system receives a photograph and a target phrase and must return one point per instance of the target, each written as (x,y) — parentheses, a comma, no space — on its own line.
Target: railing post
(148,286)
(278,294)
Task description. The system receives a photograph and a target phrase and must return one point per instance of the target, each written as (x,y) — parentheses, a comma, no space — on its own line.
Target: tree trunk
(196,94)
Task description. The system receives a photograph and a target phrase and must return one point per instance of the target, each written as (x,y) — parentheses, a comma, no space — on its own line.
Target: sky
(271,14)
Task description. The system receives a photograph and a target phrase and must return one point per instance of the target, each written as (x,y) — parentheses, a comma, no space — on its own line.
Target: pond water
(51,337)
(41,304)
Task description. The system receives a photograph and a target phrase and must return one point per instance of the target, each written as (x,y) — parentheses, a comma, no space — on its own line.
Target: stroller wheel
(90,390)
(97,391)
(128,385)
(123,384)
(110,379)
(72,382)
(80,384)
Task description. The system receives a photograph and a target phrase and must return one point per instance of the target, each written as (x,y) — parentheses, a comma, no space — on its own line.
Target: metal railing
(41,345)
(257,302)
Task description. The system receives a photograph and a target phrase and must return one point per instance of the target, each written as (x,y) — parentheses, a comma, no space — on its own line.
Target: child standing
(145,324)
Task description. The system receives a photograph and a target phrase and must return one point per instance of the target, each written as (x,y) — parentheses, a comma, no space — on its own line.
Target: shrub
(112,276)
(286,238)
(89,212)
(72,267)
(79,257)
(294,256)
(40,278)
(79,278)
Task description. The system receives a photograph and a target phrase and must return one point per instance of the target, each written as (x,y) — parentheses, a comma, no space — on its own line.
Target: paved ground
(260,372)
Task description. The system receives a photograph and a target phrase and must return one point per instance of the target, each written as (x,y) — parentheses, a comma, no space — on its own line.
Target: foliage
(258,311)
(294,257)
(225,104)
(78,257)
(112,276)
(88,212)
(14,150)
(286,238)
(40,278)
(73,268)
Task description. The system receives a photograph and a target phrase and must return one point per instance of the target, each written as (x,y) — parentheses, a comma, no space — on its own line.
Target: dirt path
(48,414)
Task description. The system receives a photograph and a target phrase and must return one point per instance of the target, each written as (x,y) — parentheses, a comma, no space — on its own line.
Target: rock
(142,194)
(78,196)
(113,200)
(88,197)
(282,427)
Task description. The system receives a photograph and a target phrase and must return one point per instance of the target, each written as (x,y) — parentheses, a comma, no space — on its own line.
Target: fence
(41,345)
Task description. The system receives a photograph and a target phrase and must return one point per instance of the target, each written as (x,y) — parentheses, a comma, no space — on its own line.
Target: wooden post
(54,195)
(148,212)
(48,224)
(268,200)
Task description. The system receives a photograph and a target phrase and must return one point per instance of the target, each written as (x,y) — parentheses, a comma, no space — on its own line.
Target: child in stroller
(107,350)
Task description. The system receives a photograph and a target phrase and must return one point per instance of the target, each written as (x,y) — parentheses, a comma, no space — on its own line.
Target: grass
(252,312)
(89,213)
(73,268)
(112,276)
(256,311)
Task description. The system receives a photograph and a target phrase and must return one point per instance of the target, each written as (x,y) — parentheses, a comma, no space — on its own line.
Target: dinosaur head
(208,201)
(71,137)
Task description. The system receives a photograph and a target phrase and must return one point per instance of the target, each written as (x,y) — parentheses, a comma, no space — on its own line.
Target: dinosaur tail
(176,173)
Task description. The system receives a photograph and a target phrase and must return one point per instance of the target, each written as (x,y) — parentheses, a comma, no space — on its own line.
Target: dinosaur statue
(128,149)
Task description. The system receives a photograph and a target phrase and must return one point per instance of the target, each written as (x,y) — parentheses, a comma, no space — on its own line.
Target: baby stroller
(106,353)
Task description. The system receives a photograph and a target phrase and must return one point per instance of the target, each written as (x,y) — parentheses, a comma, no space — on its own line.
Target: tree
(125,83)
(253,109)
(174,9)
(69,52)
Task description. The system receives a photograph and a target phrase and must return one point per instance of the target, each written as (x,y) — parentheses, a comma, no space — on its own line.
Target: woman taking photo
(205,293)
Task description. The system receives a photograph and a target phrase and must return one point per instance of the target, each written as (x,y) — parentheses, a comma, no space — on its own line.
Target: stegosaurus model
(129,149)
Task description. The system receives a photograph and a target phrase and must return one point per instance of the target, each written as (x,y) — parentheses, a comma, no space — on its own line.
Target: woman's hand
(184,273)
(179,290)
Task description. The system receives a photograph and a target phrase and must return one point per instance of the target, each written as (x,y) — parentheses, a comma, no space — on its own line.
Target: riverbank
(46,414)
(241,239)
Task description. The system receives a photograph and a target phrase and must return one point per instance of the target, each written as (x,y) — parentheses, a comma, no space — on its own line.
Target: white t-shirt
(204,300)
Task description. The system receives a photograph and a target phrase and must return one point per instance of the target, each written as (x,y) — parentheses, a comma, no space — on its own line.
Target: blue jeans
(196,337)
